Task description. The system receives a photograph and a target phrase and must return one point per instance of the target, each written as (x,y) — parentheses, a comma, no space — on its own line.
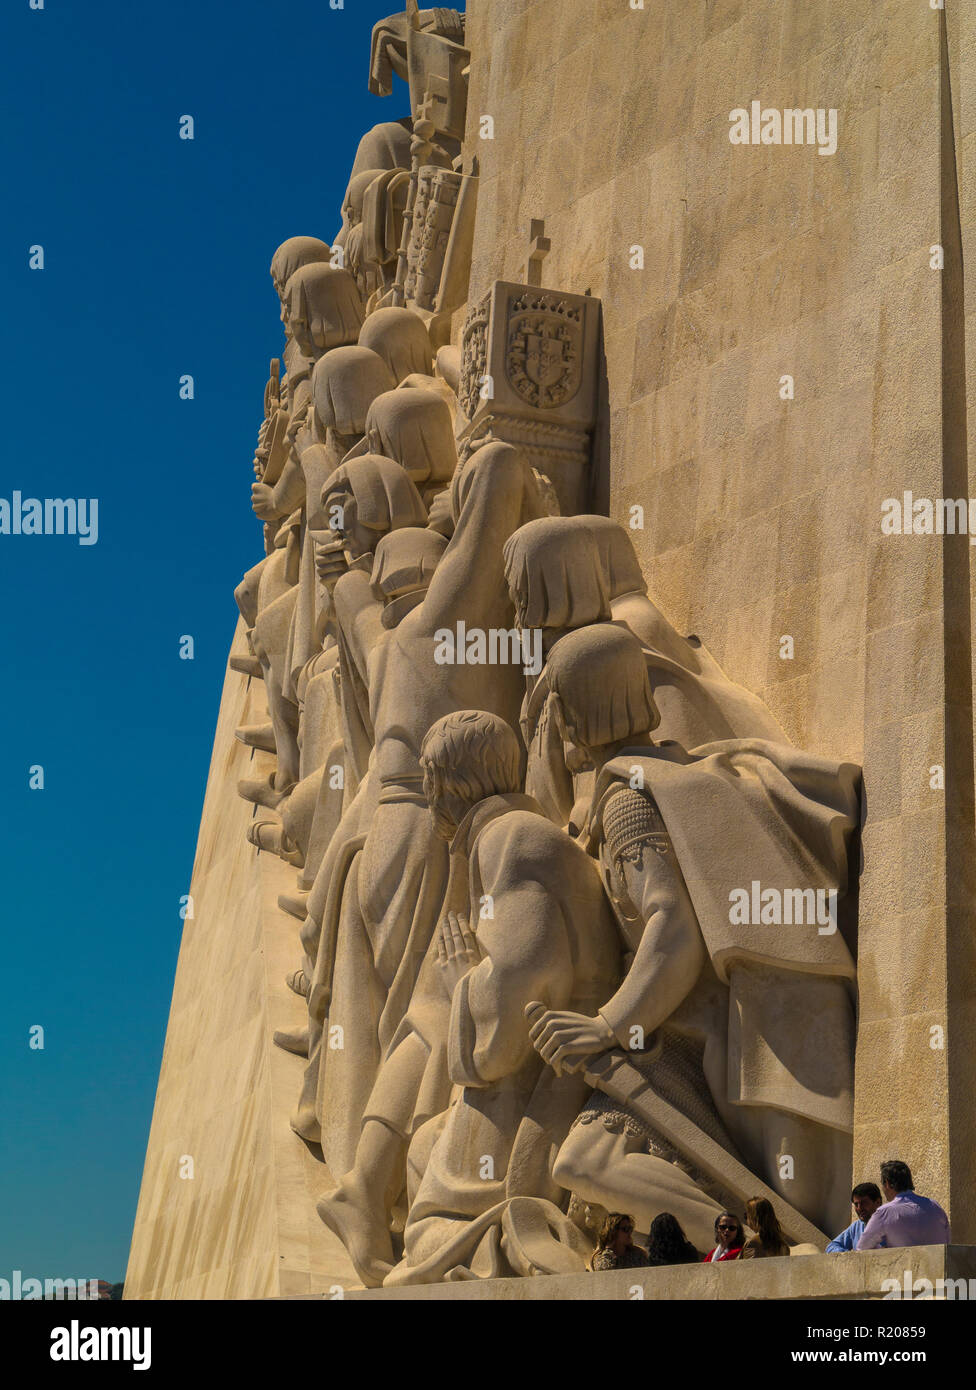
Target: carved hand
(262,501)
(330,559)
(565,1039)
(440,518)
(457,949)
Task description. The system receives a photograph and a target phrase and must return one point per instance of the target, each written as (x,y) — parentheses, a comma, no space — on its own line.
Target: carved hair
(292,254)
(400,337)
(352,204)
(472,755)
(327,299)
(406,558)
(555,574)
(414,426)
(385,497)
(345,383)
(624,574)
(598,678)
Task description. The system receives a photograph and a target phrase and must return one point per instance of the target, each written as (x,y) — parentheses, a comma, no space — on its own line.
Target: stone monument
(590,826)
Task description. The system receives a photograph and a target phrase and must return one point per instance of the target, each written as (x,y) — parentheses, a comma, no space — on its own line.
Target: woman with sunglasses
(729,1236)
(615,1247)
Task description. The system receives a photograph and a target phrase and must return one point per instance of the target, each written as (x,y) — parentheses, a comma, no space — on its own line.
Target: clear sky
(156,253)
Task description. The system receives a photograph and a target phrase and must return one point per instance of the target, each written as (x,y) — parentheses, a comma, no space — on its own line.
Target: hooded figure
(386,146)
(414,426)
(556,575)
(323,309)
(294,253)
(566,572)
(400,337)
(344,384)
(557,578)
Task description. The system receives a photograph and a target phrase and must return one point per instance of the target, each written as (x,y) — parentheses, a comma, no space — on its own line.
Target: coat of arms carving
(544,352)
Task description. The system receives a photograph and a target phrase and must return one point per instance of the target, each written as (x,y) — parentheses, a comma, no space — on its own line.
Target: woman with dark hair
(729,1238)
(769,1239)
(668,1244)
(615,1248)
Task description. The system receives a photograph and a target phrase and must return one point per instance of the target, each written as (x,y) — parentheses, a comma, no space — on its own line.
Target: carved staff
(613,1074)
(421,148)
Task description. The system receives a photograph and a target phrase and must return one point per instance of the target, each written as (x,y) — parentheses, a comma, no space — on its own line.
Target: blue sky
(156,264)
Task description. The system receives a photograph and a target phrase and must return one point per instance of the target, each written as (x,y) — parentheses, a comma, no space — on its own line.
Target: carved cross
(425,111)
(539,248)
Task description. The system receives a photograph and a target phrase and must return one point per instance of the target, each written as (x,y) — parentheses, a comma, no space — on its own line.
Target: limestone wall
(244,1224)
(762,516)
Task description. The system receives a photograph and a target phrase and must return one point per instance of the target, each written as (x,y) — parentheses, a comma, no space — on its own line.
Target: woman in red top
(730,1237)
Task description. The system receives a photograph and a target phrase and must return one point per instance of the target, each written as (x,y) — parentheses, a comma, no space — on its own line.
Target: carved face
(578,757)
(446,809)
(296,326)
(343,519)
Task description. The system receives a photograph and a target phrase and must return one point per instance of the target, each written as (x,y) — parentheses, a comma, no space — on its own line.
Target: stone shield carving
(543,362)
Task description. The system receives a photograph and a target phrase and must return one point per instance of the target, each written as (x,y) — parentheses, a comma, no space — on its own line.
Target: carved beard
(444,824)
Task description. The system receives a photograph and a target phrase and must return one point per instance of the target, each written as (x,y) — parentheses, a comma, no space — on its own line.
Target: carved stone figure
(414,426)
(400,337)
(483,1198)
(566,572)
(408,692)
(746,1027)
(426,49)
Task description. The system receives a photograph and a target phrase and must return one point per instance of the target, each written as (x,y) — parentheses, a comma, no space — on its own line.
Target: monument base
(923,1272)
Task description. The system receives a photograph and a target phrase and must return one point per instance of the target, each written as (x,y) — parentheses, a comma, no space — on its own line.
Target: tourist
(769,1239)
(729,1238)
(865,1199)
(615,1248)
(905,1218)
(668,1244)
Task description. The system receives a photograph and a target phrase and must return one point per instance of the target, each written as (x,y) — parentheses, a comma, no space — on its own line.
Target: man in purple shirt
(906,1218)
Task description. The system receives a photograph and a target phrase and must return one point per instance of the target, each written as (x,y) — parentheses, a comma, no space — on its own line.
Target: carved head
(400,337)
(555,574)
(367,497)
(403,566)
(352,203)
(292,254)
(414,426)
(467,757)
(322,309)
(388,50)
(624,574)
(600,691)
(345,383)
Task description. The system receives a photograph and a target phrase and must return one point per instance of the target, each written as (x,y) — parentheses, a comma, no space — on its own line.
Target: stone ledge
(850,1277)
